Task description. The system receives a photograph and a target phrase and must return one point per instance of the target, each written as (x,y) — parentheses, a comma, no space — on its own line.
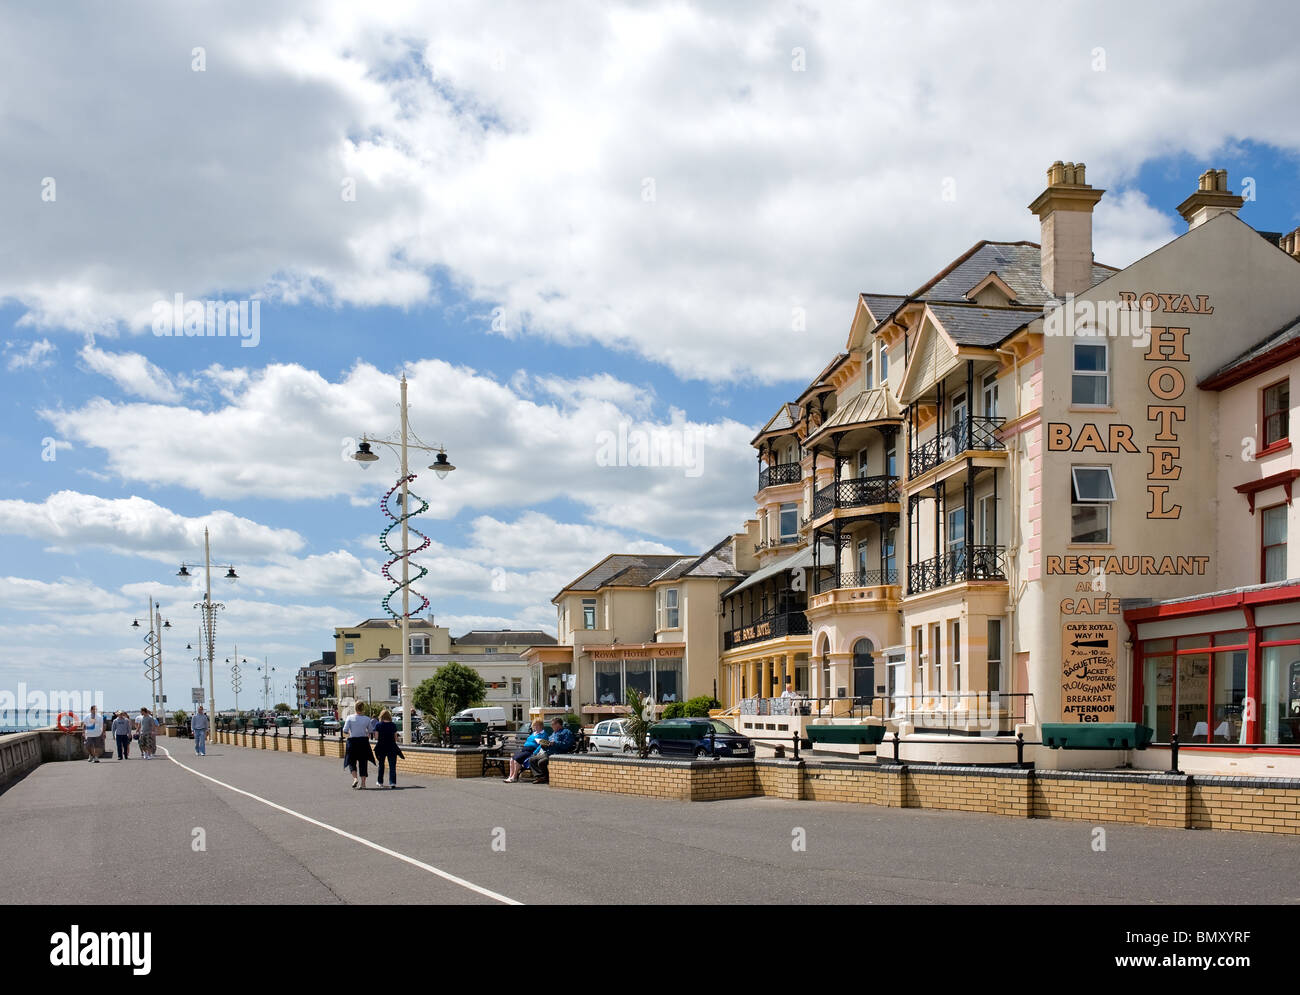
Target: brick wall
(1244,803)
(1099,797)
(437,762)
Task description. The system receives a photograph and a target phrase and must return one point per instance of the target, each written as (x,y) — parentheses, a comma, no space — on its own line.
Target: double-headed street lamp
(208,611)
(266,670)
(236,682)
(441,467)
(153,652)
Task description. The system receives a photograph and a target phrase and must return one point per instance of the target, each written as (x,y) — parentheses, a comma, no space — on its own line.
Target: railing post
(1173,749)
(1020,750)
(795,736)
(896,759)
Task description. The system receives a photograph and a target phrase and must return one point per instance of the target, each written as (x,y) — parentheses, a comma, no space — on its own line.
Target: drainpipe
(1013,552)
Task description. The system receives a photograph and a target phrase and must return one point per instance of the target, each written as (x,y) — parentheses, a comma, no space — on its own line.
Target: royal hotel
(1038,489)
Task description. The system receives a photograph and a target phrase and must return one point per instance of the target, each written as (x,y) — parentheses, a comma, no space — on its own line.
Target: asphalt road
(78,832)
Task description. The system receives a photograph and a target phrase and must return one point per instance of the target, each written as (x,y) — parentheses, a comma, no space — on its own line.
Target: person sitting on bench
(529,748)
(561,741)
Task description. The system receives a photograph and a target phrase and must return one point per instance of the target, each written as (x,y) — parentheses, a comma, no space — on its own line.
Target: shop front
(1221,671)
(655,670)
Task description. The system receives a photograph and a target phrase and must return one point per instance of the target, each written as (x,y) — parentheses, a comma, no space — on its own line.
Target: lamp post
(208,612)
(153,651)
(266,671)
(236,682)
(439,466)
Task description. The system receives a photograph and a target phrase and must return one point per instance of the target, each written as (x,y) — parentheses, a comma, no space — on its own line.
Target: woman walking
(386,748)
(148,734)
(357,730)
(122,733)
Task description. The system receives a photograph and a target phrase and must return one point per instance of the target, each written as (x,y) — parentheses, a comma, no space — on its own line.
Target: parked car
(610,736)
(698,738)
(331,725)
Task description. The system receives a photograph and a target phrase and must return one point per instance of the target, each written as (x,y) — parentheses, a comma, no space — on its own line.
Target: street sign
(196,695)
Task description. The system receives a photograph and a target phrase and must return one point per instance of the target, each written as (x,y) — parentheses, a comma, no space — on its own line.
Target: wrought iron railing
(960,563)
(967,713)
(857,578)
(772,625)
(975,432)
(777,541)
(855,492)
(779,473)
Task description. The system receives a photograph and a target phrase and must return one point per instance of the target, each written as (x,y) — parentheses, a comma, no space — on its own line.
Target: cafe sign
(1089,671)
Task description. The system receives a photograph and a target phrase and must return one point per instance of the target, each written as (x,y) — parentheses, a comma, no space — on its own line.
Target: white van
(494,717)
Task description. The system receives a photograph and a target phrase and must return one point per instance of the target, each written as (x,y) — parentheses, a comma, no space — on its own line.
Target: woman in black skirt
(386,748)
(357,730)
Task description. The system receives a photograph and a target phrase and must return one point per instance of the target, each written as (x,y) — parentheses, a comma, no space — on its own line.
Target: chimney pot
(1064,211)
(1212,198)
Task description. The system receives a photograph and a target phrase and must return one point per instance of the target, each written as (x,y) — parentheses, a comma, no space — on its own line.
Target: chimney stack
(1211,199)
(1290,244)
(1064,210)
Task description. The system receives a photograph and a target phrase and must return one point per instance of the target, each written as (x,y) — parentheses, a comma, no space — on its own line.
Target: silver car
(609,737)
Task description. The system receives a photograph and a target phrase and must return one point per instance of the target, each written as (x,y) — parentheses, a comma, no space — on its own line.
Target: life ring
(71,721)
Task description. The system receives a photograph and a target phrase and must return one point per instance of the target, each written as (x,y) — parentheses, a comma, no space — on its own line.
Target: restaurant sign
(1089,671)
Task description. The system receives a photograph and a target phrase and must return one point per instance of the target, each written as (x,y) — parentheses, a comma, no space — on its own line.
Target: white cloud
(67,594)
(515,161)
(285,422)
(68,520)
(133,373)
(38,355)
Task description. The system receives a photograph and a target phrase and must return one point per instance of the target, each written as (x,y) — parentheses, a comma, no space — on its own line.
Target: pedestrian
(93,731)
(122,733)
(386,748)
(148,733)
(357,730)
(199,726)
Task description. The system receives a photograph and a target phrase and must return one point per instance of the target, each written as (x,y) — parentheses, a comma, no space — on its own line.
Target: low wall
(456,761)
(23,752)
(1171,800)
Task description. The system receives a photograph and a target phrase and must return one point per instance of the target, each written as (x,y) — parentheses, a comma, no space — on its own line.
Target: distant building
(315,682)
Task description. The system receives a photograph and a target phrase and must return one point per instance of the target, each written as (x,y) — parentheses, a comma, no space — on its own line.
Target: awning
(797,561)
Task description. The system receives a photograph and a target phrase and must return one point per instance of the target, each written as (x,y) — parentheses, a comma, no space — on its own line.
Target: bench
(500,757)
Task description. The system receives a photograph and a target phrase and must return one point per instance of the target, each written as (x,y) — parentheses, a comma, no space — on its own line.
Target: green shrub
(697,708)
(675,710)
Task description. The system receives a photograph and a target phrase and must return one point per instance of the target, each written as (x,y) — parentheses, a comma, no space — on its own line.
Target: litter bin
(467,733)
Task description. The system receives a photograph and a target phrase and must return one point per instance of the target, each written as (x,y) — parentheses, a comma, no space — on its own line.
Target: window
(956,528)
(1091,490)
(517,712)
(394,687)
(867,369)
(918,653)
(668,681)
(862,560)
(990,395)
(1273,541)
(863,463)
(891,458)
(1089,383)
(884,365)
(956,656)
(672,616)
(1277,409)
(419,644)
(589,613)
(935,651)
(995,654)
(987,529)
(891,560)
(489,649)
(957,413)
(516,686)
(864,671)
(789,522)
(349,649)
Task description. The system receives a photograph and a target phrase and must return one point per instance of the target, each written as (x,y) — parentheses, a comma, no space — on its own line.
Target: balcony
(779,473)
(776,542)
(772,625)
(858,578)
(856,492)
(975,433)
(959,564)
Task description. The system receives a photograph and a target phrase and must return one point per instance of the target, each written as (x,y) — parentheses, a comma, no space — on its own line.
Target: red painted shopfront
(1221,670)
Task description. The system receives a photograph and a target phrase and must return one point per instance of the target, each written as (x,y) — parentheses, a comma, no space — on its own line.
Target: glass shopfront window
(1158,683)
(1191,694)
(609,682)
(636,676)
(668,680)
(1228,722)
(1280,686)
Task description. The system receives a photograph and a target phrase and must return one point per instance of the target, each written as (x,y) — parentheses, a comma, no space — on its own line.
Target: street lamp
(153,651)
(440,466)
(266,672)
(208,615)
(235,680)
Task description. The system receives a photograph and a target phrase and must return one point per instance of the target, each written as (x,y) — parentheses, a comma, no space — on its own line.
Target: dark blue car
(698,738)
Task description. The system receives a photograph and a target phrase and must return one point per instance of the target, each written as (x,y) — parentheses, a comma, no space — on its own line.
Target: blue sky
(642,205)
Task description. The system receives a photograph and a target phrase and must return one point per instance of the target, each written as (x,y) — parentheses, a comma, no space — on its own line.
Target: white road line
(485,892)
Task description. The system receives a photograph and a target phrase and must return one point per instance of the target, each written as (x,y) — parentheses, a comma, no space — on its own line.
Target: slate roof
(1288,334)
(803,558)
(627,569)
(783,421)
(1018,264)
(982,326)
(503,637)
(882,305)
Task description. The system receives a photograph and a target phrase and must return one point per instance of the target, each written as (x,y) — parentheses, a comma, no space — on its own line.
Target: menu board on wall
(1089,669)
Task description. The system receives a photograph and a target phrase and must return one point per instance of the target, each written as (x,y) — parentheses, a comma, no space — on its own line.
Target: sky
(566,226)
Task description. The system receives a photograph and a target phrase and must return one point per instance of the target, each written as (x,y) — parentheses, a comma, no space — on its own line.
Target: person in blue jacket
(560,741)
(529,748)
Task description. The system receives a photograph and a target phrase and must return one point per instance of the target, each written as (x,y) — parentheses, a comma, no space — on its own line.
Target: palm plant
(639,720)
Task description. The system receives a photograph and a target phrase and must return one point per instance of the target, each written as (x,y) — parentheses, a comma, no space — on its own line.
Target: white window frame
(991,660)
(589,616)
(422,642)
(672,608)
(989,386)
(1077,502)
(986,511)
(349,649)
(882,365)
(949,543)
(793,507)
(955,637)
(1095,341)
(869,369)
